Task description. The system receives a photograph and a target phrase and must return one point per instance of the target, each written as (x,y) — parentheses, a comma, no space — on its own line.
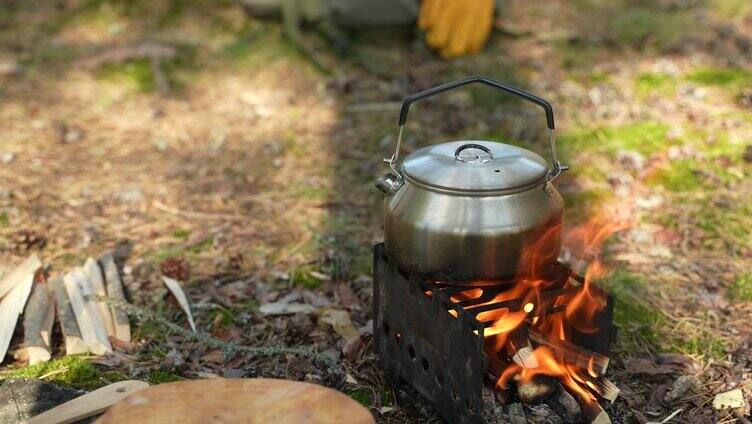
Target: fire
(554,318)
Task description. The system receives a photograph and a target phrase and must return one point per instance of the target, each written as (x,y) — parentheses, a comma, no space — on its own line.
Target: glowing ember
(573,307)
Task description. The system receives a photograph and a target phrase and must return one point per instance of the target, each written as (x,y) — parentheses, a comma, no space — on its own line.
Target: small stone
(733,399)
(7,157)
(679,388)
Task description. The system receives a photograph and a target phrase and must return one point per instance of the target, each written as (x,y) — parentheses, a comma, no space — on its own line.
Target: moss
(732,9)
(4,219)
(722,77)
(679,176)
(646,27)
(638,321)
(704,345)
(302,276)
(73,371)
(655,83)
(181,233)
(646,137)
(741,289)
(161,376)
(366,396)
(224,316)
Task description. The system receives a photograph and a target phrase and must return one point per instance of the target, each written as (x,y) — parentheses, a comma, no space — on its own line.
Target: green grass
(646,137)
(4,219)
(655,83)
(181,233)
(720,77)
(73,371)
(679,176)
(161,376)
(302,277)
(741,289)
(367,396)
(639,322)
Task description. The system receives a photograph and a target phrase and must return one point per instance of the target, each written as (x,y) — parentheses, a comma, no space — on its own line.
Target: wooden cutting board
(237,401)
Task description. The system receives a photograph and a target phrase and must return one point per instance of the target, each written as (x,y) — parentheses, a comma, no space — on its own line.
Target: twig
(228,348)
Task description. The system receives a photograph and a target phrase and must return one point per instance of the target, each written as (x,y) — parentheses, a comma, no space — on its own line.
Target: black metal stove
(435,344)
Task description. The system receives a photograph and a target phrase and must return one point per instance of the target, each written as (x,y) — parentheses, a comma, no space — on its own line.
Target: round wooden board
(257,400)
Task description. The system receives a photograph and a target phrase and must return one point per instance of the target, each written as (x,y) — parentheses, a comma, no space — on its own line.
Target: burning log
(537,388)
(603,387)
(593,413)
(565,404)
(520,348)
(571,353)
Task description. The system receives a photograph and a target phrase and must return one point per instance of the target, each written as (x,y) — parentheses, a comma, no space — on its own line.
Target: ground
(248,167)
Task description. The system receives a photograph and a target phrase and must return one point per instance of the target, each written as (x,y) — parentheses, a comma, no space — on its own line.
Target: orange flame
(579,310)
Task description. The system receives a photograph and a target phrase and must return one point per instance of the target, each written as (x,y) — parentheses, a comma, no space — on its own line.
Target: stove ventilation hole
(439,379)
(455,396)
(411,351)
(385,326)
(426,365)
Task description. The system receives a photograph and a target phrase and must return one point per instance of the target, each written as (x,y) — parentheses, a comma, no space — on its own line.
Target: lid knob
(473,153)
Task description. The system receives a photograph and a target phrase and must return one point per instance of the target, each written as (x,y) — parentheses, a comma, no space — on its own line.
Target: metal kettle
(467,211)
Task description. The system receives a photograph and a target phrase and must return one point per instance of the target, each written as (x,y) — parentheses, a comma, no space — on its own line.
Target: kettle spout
(388,183)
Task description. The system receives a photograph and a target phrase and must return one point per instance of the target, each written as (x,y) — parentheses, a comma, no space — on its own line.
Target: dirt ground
(222,155)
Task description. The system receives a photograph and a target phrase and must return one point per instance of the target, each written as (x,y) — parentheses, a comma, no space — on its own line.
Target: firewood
(565,404)
(571,353)
(531,391)
(603,387)
(520,349)
(74,343)
(11,307)
(38,318)
(115,293)
(87,315)
(593,413)
(516,413)
(94,274)
(19,274)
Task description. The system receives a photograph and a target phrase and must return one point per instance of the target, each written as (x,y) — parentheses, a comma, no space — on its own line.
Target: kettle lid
(475,166)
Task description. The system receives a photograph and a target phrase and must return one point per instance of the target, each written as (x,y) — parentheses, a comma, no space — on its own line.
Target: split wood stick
(19,274)
(565,404)
(38,318)
(593,413)
(74,343)
(572,353)
(89,404)
(11,307)
(177,291)
(520,348)
(94,274)
(603,387)
(87,314)
(115,292)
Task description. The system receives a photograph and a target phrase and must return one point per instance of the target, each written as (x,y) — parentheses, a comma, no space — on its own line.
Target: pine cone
(21,242)
(176,268)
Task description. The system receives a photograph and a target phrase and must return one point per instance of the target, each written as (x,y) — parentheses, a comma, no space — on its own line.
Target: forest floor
(249,169)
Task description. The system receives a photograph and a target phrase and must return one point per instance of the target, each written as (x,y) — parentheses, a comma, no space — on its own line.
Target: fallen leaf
(732,399)
(346,296)
(214,357)
(647,367)
(283,308)
(679,388)
(349,379)
(340,322)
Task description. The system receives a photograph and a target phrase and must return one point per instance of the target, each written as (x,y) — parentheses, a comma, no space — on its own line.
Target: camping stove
(428,336)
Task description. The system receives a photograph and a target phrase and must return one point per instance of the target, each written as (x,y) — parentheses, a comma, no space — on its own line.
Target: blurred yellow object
(456,27)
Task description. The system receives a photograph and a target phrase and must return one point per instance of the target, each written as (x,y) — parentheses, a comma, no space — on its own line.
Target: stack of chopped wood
(80,297)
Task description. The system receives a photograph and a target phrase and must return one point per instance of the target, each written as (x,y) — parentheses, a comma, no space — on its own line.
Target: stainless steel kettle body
(468,211)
